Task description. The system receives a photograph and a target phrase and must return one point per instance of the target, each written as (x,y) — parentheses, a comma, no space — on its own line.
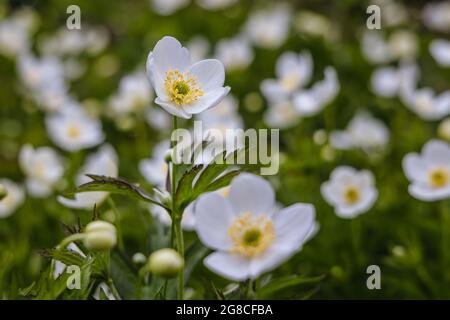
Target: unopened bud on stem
(100,235)
(166,263)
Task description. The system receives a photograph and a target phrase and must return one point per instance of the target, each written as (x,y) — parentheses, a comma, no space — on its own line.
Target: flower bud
(165,262)
(100,235)
(444,129)
(139,258)
(3,192)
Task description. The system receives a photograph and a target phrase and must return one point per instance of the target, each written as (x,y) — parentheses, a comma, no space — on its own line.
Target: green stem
(112,204)
(176,219)
(113,289)
(444,212)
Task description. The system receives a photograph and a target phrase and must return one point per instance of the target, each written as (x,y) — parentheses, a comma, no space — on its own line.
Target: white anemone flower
(134,94)
(349,191)
(14,198)
(184,88)
(281,114)
(103,162)
(293,71)
(363,131)
(436,16)
(389,81)
(426,103)
(71,129)
(235,53)
(440,50)
(158,119)
(269,28)
(246,231)
(168,7)
(14,38)
(43,168)
(155,169)
(429,172)
(310,102)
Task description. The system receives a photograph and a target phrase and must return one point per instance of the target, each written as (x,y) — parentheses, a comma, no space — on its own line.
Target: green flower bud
(165,262)
(100,235)
(3,192)
(139,258)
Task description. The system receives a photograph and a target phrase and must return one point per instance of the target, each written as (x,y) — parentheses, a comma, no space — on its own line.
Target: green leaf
(115,186)
(124,277)
(184,191)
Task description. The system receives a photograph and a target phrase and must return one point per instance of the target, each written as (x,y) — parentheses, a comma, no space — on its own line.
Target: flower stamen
(351,195)
(182,89)
(439,177)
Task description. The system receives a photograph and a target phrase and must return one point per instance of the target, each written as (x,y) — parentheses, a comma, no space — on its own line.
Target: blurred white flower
(235,53)
(14,38)
(183,88)
(393,13)
(363,131)
(43,168)
(401,44)
(158,119)
(436,16)
(293,72)
(440,50)
(215,4)
(349,191)
(134,94)
(167,7)
(311,101)
(13,199)
(249,235)
(426,103)
(155,169)
(314,24)
(187,221)
(281,114)
(429,172)
(389,81)
(71,129)
(269,28)
(198,47)
(103,162)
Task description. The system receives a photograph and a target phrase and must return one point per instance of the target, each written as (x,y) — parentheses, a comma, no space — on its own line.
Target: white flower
(311,101)
(155,169)
(403,44)
(167,7)
(103,162)
(350,192)
(429,172)
(14,38)
(436,16)
(363,132)
(43,168)
(269,28)
(71,129)
(440,50)
(224,112)
(293,72)
(13,199)
(235,53)
(158,119)
(444,129)
(389,81)
(316,25)
(248,236)
(281,114)
(187,221)
(215,4)
(183,88)
(134,94)
(426,103)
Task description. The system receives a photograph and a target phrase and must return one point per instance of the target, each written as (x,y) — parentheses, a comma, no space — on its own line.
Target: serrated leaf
(115,186)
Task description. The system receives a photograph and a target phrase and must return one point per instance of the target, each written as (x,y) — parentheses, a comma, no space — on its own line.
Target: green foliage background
(407,238)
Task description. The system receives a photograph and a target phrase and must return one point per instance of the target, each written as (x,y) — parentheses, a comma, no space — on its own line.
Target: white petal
(415,168)
(214,216)
(437,151)
(209,73)
(292,225)
(168,54)
(268,261)
(230,266)
(207,101)
(425,193)
(173,109)
(440,50)
(251,193)
(272,90)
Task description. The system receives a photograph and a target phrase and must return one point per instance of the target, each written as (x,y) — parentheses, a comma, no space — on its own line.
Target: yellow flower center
(251,235)
(182,89)
(73,132)
(290,82)
(351,195)
(439,177)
